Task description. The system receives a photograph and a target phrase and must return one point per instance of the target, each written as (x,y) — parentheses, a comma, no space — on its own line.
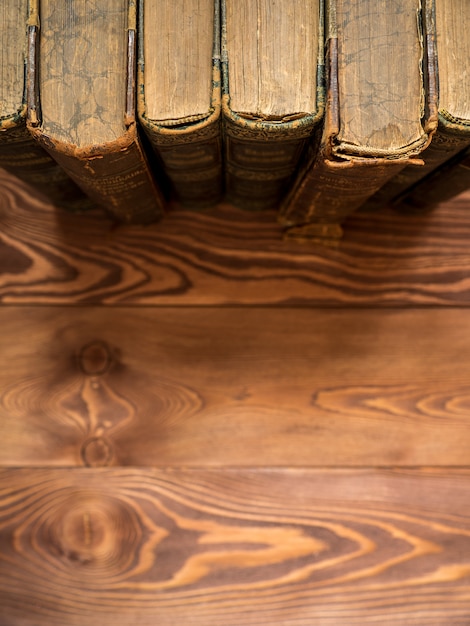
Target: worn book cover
(452,25)
(179,94)
(272,94)
(440,185)
(379,114)
(82,108)
(19,153)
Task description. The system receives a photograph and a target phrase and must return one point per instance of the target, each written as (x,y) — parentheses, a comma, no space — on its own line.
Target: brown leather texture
(336,182)
(116,177)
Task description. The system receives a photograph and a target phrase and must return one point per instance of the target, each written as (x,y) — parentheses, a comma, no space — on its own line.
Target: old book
(452,25)
(377,120)
(85,116)
(179,94)
(19,153)
(272,94)
(441,184)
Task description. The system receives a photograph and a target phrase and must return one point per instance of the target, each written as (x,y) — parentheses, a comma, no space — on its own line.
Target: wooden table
(202,424)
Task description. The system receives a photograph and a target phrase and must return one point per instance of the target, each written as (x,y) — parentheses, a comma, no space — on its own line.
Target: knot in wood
(95,531)
(96,452)
(95,358)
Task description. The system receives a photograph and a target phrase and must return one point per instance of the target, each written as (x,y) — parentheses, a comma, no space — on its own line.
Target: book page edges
(335,152)
(296,124)
(33,98)
(191,126)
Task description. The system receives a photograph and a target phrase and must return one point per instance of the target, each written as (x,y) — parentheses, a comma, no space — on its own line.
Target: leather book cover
(179,100)
(272,95)
(82,110)
(379,116)
(19,153)
(451,26)
(442,184)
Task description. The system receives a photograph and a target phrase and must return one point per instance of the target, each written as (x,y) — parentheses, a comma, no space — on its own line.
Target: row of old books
(314,107)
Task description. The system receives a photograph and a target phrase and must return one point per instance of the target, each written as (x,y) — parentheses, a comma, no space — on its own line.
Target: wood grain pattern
(330,548)
(143,386)
(228,257)
(214,386)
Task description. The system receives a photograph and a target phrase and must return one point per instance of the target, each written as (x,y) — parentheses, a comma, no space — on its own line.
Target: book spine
(446,143)
(192,163)
(191,151)
(24,158)
(329,193)
(329,190)
(450,138)
(115,175)
(261,157)
(444,183)
(333,186)
(260,161)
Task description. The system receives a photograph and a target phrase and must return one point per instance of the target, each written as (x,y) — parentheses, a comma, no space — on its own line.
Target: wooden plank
(226,256)
(234,386)
(210,548)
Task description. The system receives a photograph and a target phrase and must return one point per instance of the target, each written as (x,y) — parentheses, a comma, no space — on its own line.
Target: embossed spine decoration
(87,122)
(19,153)
(369,136)
(262,151)
(189,147)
